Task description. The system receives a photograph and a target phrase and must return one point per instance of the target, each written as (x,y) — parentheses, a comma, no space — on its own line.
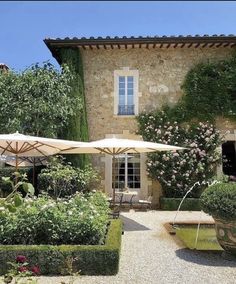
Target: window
(126,95)
(127,171)
(126,92)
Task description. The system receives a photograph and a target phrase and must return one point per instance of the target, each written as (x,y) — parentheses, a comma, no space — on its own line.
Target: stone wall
(161,73)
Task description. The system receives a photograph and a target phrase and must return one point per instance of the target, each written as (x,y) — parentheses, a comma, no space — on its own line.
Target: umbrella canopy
(19,145)
(116,146)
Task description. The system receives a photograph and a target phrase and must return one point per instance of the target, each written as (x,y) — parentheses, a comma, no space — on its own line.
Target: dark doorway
(229,158)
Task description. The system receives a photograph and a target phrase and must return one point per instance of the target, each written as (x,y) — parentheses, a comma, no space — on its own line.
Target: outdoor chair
(146,203)
(115,214)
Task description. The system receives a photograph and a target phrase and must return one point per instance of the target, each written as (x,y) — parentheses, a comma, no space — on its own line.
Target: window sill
(125,116)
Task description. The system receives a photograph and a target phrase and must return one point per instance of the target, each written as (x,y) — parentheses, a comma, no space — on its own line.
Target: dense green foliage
(178,171)
(172,204)
(5,188)
(53,260)
(78,125)
(39,100)
(81,219)
(209,91)
(219,200)
(60,179)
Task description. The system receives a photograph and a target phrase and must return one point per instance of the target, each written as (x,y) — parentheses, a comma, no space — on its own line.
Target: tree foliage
(37,101)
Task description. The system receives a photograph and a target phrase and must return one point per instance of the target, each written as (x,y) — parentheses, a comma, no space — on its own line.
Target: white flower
(70,212)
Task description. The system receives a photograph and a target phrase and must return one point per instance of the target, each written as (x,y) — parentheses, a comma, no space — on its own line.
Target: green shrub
(60,179)
(81,219)
(219,200)
(172,204)
(89,260)
(5,188)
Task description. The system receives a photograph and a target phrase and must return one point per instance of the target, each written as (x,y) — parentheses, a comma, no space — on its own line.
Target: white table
(121,195)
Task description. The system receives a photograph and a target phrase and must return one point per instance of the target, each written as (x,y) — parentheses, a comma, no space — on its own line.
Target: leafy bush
(81,219)
(219,200)
(5,188)
(178,171)
(60,179)
(89,260)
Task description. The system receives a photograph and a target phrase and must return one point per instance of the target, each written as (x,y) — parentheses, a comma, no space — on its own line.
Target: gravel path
(150,255)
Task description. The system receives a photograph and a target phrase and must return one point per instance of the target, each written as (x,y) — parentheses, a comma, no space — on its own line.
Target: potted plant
(219,200)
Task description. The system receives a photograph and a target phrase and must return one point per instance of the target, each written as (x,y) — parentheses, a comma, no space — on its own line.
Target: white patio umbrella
(19,145)
(116,146)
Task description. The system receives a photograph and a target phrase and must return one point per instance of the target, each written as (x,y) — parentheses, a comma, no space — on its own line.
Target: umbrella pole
(33,171)
(16,180)
(113,182)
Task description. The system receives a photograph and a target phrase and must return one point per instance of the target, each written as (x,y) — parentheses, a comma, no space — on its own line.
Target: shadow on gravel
(207,258)
(131,225)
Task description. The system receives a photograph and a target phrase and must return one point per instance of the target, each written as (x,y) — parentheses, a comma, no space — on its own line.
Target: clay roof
(194,41)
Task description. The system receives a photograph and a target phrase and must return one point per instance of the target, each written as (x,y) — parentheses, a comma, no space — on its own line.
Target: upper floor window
(126,92)
(126,95)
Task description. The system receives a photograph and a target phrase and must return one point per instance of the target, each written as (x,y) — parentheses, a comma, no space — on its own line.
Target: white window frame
(126,72)
(126,175)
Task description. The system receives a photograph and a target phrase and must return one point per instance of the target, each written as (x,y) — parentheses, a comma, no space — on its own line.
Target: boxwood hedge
(52,260)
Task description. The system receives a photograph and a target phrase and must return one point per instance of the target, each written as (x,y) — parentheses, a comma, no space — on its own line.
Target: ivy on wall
(77,128)
(209,92)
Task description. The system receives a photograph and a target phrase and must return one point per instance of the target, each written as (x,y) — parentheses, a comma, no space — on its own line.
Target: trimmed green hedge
(88,260)
(219,200)
(172,204)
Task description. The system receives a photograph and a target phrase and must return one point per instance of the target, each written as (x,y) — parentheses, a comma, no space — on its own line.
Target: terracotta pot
(226,234)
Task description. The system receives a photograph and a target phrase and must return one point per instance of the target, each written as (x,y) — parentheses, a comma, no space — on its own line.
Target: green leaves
(210,90)
(39,99)
(18,200)
(219,200)
(14,198)
(28,188)
(81,219)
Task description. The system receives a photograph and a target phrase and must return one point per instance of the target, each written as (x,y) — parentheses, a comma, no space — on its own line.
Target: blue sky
(24,25)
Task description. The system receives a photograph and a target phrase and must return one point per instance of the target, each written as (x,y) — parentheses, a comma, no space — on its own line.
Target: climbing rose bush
(178,171)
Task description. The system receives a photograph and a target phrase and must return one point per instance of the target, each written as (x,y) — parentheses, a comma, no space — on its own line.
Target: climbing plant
(77,128)
(209,91)
(178,171)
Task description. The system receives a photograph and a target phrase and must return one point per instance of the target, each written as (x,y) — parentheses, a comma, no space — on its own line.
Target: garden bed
(54,260)
(172,204)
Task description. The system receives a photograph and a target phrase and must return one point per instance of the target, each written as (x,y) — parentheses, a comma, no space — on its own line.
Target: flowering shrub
(81,219)
(60,179)
(21,268)
(178,171)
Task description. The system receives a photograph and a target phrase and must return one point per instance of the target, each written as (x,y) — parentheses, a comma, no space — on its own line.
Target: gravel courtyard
(150,255)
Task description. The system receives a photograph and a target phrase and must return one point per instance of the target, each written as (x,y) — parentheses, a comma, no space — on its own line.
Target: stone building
(125,76)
